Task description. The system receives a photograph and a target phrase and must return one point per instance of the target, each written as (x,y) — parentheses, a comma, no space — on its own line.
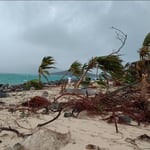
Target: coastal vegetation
(43,71)
(47,63)
(110,64)
(33,84)
(86,67)
(75,69)
(133,71)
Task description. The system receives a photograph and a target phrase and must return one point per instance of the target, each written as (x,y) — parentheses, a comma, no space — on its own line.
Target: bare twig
(15,131)
(122,37)
(132,141)
(115,121)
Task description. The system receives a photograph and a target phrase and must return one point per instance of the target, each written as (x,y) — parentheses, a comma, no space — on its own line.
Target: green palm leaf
(75,68)
(47,63)
(146,41)
(111,64)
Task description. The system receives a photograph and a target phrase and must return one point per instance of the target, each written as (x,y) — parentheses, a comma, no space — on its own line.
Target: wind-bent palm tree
(111,64)
(47,63)
(85,68)
(75,68)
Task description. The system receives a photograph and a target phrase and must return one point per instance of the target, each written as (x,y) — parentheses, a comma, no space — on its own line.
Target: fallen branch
(40,125)
(122,88)
(15,131)
(132,141)
(69,94)
(115,121)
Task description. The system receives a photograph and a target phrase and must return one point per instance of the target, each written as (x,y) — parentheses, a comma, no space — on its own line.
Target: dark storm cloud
(68,31)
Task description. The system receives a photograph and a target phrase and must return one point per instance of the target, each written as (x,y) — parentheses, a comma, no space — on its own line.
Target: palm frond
(47,63)
(92,63)
(75,68)
(146,41)
(111,64)
(45,72)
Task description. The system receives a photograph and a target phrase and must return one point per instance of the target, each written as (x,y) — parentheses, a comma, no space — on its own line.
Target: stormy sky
(68,31)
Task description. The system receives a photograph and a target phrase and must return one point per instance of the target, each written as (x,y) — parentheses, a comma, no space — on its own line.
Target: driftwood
(43,124)
(14,131)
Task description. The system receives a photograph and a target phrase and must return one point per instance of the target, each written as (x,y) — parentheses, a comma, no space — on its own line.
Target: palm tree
(146,41)
(131,72)
(47,63)
(75,69)
(144,51)
(85,68)
(111,64)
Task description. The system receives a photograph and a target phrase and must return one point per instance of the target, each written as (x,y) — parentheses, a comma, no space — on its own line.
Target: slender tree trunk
(39,78)
(46,78)
(64,75)
(81,79)
(97,72)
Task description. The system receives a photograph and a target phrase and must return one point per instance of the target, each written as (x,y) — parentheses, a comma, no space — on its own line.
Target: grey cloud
(68,31)
(74,32)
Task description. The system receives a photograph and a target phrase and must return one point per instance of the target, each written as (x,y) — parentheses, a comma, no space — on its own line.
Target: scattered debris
(123,105)
(144,137)
(94,147)
(36,103)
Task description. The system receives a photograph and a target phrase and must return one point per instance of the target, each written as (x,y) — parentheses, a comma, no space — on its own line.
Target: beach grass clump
(33,84)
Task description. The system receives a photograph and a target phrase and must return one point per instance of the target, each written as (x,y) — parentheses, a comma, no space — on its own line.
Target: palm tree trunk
(96,71)
(81,78)
(46,78)
(64,75)
(39,78)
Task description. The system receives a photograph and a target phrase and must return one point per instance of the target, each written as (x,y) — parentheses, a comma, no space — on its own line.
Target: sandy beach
(65,133)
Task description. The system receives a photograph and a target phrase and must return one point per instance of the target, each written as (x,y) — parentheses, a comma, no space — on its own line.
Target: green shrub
(33,83)
(85,83)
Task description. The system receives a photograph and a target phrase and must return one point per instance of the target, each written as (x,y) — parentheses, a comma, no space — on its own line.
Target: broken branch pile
(120,106)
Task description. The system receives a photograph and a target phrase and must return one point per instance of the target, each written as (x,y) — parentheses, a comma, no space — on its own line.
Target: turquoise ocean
(14,78)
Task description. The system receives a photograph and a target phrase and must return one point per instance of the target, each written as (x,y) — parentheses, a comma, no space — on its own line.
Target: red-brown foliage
(36,102)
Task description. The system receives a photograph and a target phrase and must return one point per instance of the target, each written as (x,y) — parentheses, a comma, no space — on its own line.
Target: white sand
(84,130)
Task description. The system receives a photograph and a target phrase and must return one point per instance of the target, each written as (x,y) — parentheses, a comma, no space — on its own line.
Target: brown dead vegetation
(127,101)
